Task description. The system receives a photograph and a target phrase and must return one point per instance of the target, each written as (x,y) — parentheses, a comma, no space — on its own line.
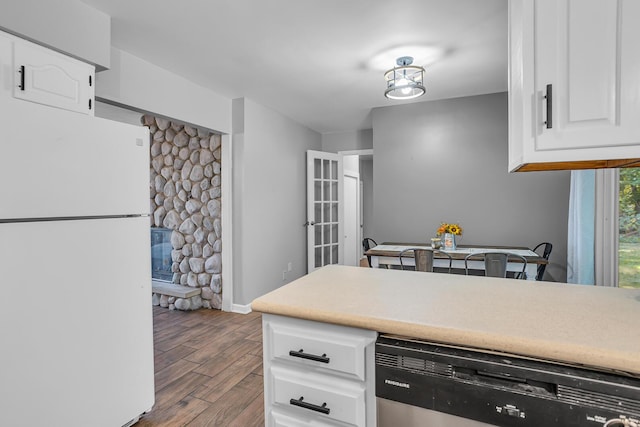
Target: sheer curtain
(581,228)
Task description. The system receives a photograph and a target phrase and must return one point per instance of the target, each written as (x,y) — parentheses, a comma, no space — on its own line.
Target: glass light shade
(404,82)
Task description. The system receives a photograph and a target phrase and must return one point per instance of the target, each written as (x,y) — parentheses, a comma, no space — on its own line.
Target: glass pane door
(324,197)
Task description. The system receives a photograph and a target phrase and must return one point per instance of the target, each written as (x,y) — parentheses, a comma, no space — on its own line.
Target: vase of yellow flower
(448,233)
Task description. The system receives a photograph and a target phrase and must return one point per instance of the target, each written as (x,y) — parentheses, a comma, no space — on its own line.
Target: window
(615,239)
(629,228)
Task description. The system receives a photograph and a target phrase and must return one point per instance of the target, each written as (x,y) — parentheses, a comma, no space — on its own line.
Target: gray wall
(118,114)
(347,141)
(134,82)
(350,141)
(84,32)
(68,26)
(269,192)
(447,161)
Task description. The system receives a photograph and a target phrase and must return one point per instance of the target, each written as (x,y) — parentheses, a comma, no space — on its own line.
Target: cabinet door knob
(318,408)
(549,98)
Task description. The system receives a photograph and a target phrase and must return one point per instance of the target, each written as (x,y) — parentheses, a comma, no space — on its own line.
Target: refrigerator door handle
(68,218)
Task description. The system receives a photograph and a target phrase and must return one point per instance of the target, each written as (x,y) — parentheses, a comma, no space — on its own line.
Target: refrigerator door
(57,163)
(76,322)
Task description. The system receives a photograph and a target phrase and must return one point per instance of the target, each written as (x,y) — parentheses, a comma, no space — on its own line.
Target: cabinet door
(318,346)
(587,51)
(284,419)
(322,397)
(50,78)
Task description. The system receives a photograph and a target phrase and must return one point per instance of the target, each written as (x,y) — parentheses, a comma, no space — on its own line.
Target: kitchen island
(596,327)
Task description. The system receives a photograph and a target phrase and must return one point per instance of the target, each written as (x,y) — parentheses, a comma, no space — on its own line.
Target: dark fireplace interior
(161,254)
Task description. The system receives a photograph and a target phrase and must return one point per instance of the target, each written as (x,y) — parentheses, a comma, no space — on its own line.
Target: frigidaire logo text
(397,383)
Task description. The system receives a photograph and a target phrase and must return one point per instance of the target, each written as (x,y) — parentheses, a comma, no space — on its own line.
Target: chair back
(546,251)
(423,259)
(442,253)
(368,243)
(495,263)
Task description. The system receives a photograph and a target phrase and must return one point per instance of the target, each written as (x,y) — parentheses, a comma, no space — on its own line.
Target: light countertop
(588,325)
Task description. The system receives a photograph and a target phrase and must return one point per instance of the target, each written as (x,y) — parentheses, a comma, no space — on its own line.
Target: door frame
(360,201)
(226,185)
(346,201)
(606,229)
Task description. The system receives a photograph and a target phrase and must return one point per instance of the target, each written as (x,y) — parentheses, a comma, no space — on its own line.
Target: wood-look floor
(208,369)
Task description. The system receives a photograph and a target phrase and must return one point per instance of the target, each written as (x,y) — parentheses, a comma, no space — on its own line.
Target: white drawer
(319,345)
(317,396)
(285,419)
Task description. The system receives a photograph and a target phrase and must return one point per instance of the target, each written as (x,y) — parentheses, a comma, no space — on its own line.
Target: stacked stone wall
(185,187)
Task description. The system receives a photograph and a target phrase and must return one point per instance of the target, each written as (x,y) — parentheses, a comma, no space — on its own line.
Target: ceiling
(319,62)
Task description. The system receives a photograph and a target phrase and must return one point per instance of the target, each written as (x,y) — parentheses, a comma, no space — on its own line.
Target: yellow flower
(449,228)
(455,229)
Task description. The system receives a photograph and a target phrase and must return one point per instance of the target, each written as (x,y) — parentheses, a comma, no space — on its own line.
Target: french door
(324,209)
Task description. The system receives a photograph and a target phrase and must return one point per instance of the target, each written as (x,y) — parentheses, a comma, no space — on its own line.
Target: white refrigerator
(75,296)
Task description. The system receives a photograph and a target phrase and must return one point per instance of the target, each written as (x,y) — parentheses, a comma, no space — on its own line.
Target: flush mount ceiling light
(404,81)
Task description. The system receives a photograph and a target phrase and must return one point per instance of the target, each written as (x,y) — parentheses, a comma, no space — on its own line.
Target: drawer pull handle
(299,402)
(301,354)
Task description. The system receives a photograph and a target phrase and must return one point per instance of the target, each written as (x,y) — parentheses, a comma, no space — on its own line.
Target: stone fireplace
(185,199)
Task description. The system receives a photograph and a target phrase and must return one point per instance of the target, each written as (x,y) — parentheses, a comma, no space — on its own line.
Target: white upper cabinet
(47,77)
(574,84)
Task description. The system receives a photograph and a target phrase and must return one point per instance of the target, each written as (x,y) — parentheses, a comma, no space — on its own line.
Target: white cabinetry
(47,77)
(584,54)
(317,374)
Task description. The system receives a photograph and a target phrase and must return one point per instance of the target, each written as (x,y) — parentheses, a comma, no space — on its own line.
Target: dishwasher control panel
(502,390)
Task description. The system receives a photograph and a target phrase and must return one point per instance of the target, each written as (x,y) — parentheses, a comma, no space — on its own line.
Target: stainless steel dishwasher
(431,385)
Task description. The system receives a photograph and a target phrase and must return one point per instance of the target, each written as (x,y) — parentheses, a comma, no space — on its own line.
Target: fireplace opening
(161,254)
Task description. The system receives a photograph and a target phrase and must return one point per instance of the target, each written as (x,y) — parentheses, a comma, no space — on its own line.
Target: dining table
(387,254)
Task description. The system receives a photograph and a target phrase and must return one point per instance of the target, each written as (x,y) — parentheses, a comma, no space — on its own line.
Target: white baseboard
(242,309)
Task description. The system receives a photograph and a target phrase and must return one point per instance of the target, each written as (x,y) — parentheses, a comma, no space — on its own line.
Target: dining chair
(368,243)
(423,258)
(495,263)
(546,251)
